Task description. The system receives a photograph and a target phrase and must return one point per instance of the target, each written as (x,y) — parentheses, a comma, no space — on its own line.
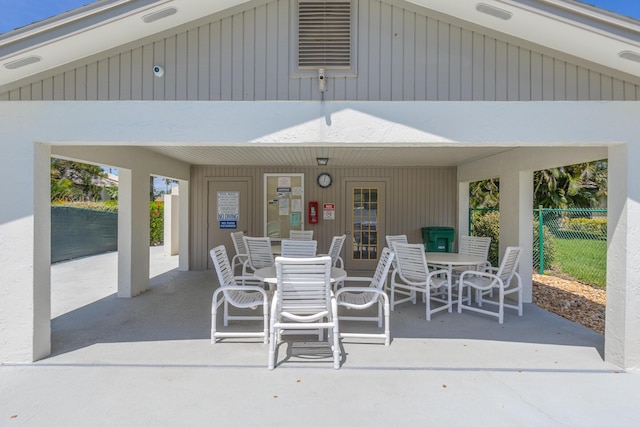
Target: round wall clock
(324,180)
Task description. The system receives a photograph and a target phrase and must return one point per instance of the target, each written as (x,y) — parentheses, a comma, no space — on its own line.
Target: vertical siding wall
(402,54)
(416,197)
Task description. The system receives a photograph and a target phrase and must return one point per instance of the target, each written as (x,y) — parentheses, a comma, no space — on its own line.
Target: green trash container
(438,239)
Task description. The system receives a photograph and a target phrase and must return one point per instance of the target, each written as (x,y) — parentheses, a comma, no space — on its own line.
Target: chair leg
(387,333)
(336,346)
(226,313)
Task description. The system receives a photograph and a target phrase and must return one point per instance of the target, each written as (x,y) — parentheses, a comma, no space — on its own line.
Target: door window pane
(365,223)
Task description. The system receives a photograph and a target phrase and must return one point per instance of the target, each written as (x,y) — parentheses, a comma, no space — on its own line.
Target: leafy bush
(96,206)
(487,224)
(156,223)
(587,226)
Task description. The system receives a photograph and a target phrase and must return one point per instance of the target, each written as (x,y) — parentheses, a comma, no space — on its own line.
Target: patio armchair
(299,248)
(303,302)
(400,238)
(241,257)
(301,234)
(361,298)
(259,253)
(435,286)
(335,249)
(500,279)
(233,292)
(478,246)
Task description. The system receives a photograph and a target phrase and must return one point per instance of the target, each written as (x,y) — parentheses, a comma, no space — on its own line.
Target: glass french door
(365,224)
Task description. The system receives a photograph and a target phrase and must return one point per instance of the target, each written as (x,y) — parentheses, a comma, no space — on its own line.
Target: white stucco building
(420,98)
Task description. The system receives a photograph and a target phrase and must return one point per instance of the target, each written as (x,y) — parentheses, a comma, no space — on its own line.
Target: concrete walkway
(148,361)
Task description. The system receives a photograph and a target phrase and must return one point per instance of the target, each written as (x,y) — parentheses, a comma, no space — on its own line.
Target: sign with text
(228,209)
(329,211)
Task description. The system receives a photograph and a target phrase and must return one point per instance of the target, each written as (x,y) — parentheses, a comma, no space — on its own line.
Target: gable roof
(573,28)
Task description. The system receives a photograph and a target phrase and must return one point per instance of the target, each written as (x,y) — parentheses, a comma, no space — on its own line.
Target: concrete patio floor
(149,361)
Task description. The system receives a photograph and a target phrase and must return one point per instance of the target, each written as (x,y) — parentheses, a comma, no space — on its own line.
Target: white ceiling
(338,156)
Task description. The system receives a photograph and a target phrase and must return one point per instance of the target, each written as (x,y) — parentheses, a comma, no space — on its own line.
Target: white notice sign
(228,205)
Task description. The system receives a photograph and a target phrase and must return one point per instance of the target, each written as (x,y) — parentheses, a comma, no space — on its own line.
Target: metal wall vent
(631,56)
(155,16)
(22,62)
(324,34)
(494,11)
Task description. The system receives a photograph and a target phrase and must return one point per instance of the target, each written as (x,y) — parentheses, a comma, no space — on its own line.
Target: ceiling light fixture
(494,11)
(22,62)
(322,161)
(630,55)
(161,14)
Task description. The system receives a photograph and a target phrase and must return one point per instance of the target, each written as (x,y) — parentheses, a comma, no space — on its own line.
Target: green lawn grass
(585,260)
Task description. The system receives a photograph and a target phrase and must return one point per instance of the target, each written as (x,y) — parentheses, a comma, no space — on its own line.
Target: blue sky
(18,13)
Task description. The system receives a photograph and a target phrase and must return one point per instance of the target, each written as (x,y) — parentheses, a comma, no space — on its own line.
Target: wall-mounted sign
(228,209)
(329,211)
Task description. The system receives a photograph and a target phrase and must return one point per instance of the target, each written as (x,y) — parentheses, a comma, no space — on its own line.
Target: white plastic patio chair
(232,291)
(303,302)
(500,279)
(361,298)
(298,248)
(416,278)
(478,246)
(259,253)
(335,249)
(400,238)
(301,234)
(240,258)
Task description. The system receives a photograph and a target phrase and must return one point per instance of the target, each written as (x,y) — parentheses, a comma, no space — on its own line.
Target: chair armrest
(438,272)
(358,289)
(357,279)
(484,274)
(248,279)
(241,287)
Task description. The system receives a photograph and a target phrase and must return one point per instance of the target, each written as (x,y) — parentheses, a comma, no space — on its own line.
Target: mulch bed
(578,302)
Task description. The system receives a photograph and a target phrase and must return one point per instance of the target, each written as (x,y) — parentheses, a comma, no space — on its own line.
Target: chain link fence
(568,243)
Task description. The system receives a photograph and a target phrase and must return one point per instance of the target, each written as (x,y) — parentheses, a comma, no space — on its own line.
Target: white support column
(463,209)
(42,253)
(183,258)
(622,329)
(525,232)
(516,217)
(171,222)
(24,279)
(133,232)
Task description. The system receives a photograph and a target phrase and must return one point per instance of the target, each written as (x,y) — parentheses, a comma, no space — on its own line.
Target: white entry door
(219,230)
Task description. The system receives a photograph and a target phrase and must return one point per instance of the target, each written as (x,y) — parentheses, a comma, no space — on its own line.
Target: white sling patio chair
(400,238)
(241,257)
(335,249)
(361,298)
(478,246)
(259,253)
(299,248)
(416,278)
(233,292)
(500,279)
(301,234)
(303,302)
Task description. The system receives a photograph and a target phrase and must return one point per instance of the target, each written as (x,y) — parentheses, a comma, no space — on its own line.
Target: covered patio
(151,360)
(495,139)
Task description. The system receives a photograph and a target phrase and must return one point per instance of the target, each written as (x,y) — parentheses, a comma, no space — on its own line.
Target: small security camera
(158,70)
(322,80)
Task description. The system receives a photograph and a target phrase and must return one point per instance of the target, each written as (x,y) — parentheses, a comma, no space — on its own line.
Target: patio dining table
(268,275)
(449,260)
